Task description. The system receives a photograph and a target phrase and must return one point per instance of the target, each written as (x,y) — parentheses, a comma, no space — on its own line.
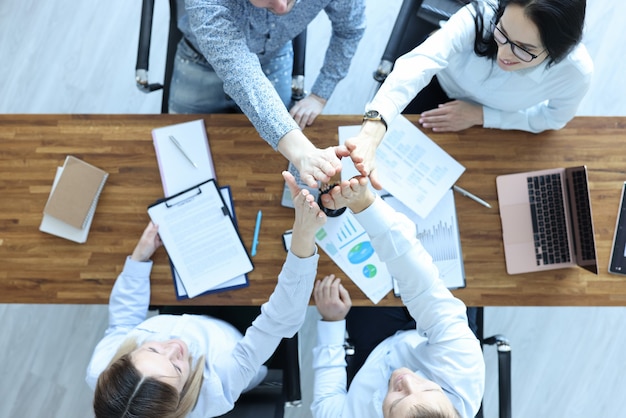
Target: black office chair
(174,36)
(416,20)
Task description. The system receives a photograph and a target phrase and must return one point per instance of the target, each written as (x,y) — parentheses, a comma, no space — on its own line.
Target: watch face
(372,114)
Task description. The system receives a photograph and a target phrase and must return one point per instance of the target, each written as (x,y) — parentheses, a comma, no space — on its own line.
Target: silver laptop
(546,220)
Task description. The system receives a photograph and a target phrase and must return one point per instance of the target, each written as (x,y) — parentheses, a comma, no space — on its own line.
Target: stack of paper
(184,166)
(73,199)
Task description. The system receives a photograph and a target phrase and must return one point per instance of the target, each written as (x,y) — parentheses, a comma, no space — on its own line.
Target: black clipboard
(201,238)
(241,282)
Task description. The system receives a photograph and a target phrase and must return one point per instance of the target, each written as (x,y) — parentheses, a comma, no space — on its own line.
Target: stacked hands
(322,164)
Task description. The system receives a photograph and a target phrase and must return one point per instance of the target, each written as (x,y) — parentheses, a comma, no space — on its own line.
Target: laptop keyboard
(584,216)
(548,218)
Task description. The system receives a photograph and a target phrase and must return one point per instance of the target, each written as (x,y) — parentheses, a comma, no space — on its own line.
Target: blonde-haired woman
(194,365)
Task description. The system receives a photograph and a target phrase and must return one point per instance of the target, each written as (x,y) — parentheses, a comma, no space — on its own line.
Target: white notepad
(73,198)
(177,173)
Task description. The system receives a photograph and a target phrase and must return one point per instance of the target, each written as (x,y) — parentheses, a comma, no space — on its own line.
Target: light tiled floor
(78,57)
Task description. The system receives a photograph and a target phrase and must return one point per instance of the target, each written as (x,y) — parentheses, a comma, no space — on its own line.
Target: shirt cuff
(385,107)
(137,268)
(491,118)
(331,332)
(377,218)
(296,267)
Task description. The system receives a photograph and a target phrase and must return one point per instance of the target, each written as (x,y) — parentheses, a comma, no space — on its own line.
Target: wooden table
(40,268)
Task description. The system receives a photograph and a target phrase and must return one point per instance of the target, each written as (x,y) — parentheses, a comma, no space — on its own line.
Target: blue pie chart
(360,252)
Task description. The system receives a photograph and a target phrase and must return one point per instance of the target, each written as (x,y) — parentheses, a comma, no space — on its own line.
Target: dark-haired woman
(516,64)
(172,366)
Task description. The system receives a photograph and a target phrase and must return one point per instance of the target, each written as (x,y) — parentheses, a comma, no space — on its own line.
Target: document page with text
(201,238)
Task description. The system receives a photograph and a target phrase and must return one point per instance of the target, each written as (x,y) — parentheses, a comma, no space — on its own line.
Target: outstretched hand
(331,298)
(354,194)
(308,218)
(148,243)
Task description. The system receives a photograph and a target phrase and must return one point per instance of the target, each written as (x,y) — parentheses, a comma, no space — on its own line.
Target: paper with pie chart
(348,245)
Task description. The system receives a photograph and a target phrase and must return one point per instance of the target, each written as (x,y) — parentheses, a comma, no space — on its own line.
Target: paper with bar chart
(348,245)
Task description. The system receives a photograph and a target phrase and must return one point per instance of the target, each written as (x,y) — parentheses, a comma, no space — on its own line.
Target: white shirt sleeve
(281,317)
(128,307)
(329,365)
(439,316)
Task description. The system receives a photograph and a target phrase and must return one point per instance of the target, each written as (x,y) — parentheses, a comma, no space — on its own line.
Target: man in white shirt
(437,367)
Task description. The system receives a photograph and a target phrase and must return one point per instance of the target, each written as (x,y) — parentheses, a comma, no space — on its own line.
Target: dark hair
(122,391)
(559,22)
(423,411)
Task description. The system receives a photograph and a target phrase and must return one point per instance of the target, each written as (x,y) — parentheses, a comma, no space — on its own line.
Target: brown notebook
(74,197)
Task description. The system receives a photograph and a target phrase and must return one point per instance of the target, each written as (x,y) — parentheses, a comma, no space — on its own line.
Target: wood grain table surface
(39,268)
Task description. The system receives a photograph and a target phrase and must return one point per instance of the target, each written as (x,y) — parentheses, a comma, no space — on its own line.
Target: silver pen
(471,196)
(180,148)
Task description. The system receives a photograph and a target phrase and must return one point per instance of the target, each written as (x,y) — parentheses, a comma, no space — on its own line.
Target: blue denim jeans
(196,88)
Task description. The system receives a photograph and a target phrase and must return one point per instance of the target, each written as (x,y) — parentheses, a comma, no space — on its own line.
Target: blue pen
(257,227)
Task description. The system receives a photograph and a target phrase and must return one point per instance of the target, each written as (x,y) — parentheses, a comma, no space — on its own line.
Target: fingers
(306,110)
(374,180)
(362,169)
(327,288)
(291,183)
(342,151)
(344,295)
(150,233)
(351,145)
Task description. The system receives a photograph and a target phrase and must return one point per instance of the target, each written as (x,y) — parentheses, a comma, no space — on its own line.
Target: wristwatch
(373,115)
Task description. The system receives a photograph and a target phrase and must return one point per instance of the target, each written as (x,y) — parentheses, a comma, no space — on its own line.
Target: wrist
(138,258)
(302,244)
(362,204)
(321,100)
(293,145)
(374,128)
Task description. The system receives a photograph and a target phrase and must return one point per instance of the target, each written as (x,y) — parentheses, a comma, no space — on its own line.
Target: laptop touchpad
(517,226)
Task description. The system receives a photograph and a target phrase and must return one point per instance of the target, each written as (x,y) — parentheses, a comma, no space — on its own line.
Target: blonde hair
(123,391)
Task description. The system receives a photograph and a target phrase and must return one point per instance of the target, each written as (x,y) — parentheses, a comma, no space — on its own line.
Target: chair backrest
(174,36)
(415,21)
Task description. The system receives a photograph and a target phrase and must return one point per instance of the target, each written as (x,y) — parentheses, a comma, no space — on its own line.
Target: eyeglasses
(517,50)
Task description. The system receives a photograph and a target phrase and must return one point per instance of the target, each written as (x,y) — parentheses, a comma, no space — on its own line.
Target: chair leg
(291,372)
(504,379)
